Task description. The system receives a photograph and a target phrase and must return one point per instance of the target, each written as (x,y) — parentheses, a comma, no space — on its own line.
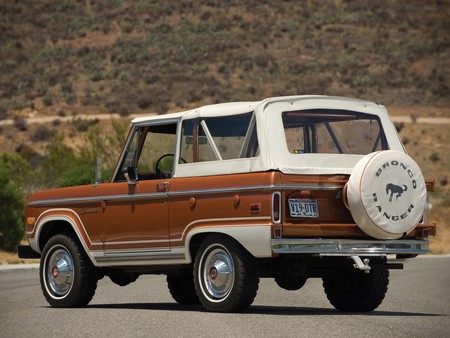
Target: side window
(219,138)
(150,151)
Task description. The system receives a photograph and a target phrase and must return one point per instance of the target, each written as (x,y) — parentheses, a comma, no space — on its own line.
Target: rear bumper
(349,247)
(25,251)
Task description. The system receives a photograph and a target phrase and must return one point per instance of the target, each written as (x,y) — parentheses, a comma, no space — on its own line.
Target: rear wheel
(356,291)
(67,276)
(226,276)
(182,288)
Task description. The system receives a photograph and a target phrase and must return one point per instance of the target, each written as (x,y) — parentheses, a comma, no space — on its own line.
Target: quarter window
(219,138)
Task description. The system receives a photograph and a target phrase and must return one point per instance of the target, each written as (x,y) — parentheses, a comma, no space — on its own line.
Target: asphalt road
(417,305)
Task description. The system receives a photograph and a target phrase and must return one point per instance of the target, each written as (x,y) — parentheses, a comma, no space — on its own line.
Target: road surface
(417,305)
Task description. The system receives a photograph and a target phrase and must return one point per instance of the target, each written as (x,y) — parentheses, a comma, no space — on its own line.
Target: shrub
(30,155)
(434,157)
(77,174)
(48,102)
(81,125)
(58,158)
(11,211)
(21,124)
(42,133)
(2,113)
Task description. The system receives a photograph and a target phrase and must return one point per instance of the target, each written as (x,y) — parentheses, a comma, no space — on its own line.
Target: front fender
(53,217)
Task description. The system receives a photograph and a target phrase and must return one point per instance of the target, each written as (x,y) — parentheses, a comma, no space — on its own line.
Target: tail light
(276,207)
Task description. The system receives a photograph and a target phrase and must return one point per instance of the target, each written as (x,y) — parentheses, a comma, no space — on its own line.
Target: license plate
(303,208)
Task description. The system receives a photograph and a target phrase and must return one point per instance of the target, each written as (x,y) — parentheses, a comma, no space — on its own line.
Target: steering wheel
(159,173)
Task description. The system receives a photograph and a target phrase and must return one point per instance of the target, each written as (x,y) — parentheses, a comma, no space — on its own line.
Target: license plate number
(303,208)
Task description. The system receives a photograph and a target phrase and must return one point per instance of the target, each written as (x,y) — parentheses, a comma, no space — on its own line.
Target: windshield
(332,132)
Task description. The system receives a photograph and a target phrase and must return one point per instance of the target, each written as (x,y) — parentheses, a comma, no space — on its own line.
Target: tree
(59,157)
(11,211)
(19,171)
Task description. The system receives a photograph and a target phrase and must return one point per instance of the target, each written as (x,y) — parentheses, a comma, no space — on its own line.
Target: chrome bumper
(349,247)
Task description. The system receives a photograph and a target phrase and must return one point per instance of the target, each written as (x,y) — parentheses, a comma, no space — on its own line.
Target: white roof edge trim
(224,109)
(172,116)
(315,171)
(233,108)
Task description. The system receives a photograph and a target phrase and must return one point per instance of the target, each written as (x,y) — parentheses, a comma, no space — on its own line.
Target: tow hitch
(361,265)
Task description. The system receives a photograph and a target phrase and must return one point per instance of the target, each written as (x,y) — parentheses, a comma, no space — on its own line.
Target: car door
(135,204)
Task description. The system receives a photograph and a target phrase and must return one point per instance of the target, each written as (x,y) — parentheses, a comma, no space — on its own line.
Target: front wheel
(356,291)
(67,276)
(226,275)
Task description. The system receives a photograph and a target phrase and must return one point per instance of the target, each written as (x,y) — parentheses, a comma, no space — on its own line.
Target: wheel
(226,276)
(290,283)
(356,291)
(123,278)
(290,274)
(67,276)
(182,288)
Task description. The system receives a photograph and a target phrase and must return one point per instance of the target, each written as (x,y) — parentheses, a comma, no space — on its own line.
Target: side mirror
(131,174)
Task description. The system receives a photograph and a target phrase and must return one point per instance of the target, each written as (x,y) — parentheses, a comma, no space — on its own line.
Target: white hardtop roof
(303,101)
(274,154)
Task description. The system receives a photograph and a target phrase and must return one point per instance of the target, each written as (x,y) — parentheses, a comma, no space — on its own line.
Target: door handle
(162,186)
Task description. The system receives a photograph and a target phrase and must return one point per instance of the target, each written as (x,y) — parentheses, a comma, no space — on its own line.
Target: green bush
(77,174)
(18,170)
(59,157)
(11,212)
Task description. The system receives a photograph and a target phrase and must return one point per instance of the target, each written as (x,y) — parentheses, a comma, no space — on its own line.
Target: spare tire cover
(386,194)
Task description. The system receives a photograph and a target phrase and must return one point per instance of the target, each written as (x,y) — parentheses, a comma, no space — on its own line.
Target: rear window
(333,132)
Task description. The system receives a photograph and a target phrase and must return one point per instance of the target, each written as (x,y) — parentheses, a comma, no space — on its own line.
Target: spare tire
(386,194)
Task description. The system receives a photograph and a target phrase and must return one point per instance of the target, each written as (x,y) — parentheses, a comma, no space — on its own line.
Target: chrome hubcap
(217,273)
(60,272)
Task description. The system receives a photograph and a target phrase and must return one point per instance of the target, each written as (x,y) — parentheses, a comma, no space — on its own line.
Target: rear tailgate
(313,207)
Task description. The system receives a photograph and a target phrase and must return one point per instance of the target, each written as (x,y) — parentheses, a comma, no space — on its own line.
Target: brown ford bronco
(218,197)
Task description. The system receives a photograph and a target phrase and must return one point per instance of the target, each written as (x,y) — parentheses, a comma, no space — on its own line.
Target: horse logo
(395,189)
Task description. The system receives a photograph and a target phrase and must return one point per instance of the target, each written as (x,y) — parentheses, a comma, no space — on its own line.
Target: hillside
(69,58)
(61,56)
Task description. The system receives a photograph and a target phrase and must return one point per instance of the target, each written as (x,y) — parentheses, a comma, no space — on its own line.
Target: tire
(182,288)
(356,291)
(386,194)
(226,275)
(290,284)
(123,279)
(67,276)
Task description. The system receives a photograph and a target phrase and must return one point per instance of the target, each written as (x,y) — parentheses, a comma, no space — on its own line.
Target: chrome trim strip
(97,199)
(181,193)
(137,255)
(253,188)
(149,241)
(349,247)
(61,201)
(119,198)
